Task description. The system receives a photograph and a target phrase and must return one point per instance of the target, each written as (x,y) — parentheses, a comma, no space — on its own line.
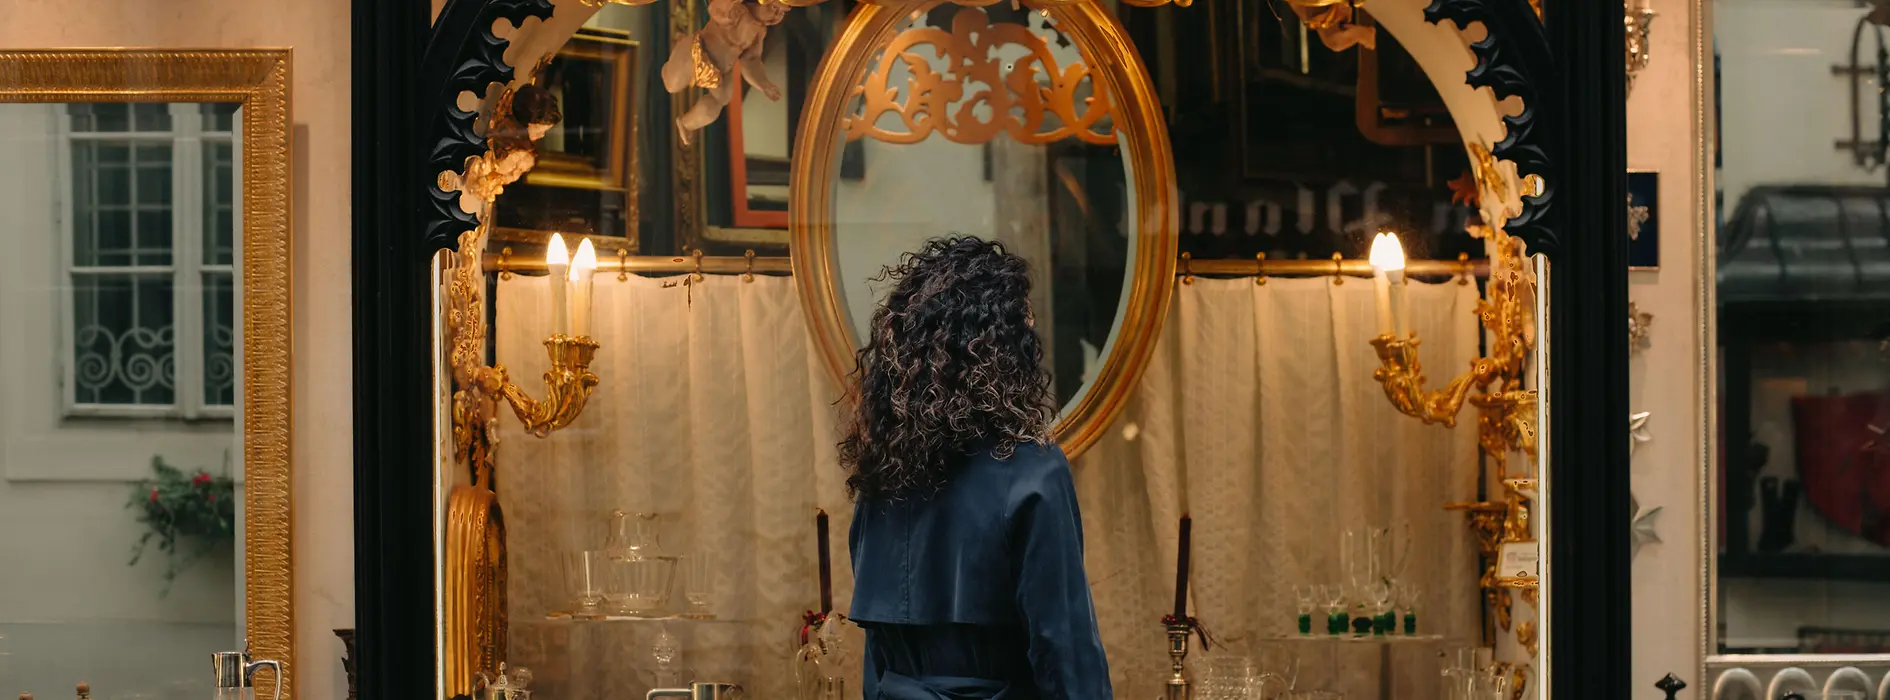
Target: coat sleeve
(1066,653)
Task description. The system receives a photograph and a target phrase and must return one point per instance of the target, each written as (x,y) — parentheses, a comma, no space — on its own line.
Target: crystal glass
(1335,608)
(699,585)
(1407,594)
(634,534)
(1278,673)
(1307,599)
(1226,677)
(1378,593)
(666,650)
(642,584)
(585,577)
(1492,684)
(1391,550)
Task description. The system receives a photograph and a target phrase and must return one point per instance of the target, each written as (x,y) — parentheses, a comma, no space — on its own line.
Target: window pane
(123,349)
(218,220)
(121,203)
(154,237)
(103,116)
(152,116)
(219,116)
(219,340)
(114,185)
(154,184)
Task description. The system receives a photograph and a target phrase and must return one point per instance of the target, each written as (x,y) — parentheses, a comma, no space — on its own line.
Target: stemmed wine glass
(1379,594)
(1335,608)
(1407,595)
(1307,599)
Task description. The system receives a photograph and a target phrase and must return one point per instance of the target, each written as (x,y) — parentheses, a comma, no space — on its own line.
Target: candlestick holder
(1176,687)
(1507,412)
(475,566)
(568,384)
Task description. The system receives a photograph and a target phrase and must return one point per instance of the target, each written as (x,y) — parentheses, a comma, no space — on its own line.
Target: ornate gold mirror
(146,344)
(1037,129)
(640,472)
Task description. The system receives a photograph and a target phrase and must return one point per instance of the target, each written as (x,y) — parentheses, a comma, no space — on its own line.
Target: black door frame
(407,76)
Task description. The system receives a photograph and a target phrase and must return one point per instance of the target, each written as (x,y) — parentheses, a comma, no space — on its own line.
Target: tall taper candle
(1181,570)
(826,561)
(1387,260)
(583,266)
(558,264)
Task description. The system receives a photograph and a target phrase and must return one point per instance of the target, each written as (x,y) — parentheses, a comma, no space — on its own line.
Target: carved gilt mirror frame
(1540,76)
(1139,128)
(259,80)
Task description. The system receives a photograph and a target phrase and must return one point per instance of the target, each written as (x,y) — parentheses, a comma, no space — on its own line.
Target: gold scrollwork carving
(1012,96)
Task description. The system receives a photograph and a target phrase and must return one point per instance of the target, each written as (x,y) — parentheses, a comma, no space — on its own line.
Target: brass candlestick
(1176,687)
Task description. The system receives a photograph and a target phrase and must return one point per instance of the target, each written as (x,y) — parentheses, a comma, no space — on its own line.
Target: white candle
(558,263)
(583,266)
(1391,260)
(1381,283)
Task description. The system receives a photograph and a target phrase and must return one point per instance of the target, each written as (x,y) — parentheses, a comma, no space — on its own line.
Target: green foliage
(196,510)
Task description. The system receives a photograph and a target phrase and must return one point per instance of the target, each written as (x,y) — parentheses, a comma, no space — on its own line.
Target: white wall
(1664,378)
(71,609)
(321,385)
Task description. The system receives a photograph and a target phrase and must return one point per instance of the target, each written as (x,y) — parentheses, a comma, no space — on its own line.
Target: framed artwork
(1643,224)
(585,182)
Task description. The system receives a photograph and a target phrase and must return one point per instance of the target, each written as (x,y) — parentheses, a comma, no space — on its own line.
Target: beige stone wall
(318,32)
(1665,378)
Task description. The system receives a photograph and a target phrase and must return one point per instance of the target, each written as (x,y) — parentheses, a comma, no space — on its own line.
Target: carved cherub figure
(734,35)
(519,120)
(1333,20)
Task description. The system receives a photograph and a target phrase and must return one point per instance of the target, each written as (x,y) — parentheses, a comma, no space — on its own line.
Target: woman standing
(967,544)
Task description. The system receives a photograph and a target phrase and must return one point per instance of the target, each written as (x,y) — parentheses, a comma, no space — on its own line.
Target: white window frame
(187,269)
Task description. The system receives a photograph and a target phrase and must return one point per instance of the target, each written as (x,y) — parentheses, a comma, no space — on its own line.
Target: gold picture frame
(560,173)
(259,80)
(1140,128)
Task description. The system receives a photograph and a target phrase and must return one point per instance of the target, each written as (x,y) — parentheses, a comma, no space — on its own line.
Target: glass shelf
(1388,639)
(568,617)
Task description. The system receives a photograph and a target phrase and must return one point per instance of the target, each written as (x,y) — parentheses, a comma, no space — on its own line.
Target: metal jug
(699,691)
(233,673)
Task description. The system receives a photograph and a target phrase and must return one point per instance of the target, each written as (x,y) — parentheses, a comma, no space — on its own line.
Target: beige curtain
(711,411)
(1258,415)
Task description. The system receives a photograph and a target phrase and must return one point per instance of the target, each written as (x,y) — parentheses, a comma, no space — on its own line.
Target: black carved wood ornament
(1513,60)
(464,55)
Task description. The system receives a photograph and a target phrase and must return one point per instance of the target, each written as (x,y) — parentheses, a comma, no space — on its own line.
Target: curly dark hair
(951,366)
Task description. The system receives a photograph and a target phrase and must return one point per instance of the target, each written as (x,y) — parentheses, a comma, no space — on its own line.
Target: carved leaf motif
(1009,99)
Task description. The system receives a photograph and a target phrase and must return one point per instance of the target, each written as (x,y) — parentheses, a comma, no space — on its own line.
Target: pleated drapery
(1258,416)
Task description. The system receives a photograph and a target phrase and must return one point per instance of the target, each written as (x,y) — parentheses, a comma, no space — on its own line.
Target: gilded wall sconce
(474,586)
(1636,21)
(1493,383)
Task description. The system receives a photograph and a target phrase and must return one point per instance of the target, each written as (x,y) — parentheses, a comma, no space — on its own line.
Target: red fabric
(1844,465)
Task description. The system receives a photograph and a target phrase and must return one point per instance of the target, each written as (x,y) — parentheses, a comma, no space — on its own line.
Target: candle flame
(1387,254)
(585,260)
(555,253)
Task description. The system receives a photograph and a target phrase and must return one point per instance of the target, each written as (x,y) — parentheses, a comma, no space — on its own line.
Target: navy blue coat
(979,591)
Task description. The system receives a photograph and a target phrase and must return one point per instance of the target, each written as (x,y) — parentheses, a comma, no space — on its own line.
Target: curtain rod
(655,264)
(1260,266)
(781,265)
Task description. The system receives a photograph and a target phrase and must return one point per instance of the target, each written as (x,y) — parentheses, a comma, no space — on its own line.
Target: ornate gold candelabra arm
(568,386)
(1403,378)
